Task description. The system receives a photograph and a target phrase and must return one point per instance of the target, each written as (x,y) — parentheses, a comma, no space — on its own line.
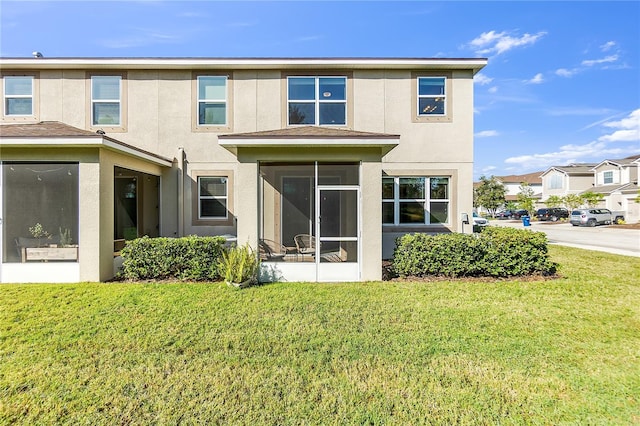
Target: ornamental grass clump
(496,252)
(239,266)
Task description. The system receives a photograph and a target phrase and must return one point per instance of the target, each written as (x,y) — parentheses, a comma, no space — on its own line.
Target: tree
(553,201)
(489,194)
(526,197)
(591,198)
(572,201)
(510,205)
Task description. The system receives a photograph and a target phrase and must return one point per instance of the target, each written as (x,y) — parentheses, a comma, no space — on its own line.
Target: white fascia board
(80,142)
(307,142)
(242,63)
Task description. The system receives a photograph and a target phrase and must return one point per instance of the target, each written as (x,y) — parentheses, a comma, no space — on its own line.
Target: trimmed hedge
(186,258)
(495,252)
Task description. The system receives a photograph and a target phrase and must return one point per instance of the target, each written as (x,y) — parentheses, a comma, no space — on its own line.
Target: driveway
(600,238)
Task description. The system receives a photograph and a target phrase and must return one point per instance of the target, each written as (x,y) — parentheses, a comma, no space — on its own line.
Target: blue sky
(562,84)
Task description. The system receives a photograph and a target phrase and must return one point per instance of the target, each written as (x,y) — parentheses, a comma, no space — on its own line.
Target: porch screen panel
(40,207)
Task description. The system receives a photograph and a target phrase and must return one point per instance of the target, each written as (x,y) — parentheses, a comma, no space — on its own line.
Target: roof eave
(83,142)
(474,64)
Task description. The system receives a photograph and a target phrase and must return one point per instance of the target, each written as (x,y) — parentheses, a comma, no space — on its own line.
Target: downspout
(180,191)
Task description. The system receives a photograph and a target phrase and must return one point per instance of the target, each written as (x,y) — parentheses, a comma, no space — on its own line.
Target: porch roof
(57,134)
(310,136)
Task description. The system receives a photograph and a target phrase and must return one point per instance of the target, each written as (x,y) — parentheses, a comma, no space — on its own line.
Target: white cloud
(626,130)
(486,134)
(482,79)
(630,122)
(537,79)
(497,43)
(563,72)
(488,169)
(493,89)
(607,46)
(605,60)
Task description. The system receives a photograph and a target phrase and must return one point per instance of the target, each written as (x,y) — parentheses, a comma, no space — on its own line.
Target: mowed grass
(504,352)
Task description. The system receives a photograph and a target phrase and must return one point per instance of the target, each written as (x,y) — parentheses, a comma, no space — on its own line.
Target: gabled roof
(627,161)
(57,134)
(530,178)
(575,169)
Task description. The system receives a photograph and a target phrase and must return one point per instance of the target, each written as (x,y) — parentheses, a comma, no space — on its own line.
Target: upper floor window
(317,101)
(607,177)
(415,200)
(212,100)
(18,95)
(432,96)
(554,182)
(106,99)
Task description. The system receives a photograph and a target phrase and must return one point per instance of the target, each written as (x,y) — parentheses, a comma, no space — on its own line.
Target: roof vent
(36,54)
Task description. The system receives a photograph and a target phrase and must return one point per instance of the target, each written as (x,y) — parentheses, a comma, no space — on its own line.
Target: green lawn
(508,352)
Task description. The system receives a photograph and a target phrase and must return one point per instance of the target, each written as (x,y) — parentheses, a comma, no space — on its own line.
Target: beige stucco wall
(160,120)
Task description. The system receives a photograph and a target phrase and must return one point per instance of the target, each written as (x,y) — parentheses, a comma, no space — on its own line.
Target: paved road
(601,238)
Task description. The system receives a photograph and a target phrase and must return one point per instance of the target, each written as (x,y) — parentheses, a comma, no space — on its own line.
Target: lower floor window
(415,200)
(40,211)
(212,197)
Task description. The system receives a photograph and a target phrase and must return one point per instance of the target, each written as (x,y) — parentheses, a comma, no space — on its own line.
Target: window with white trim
(18,96)
(212,100)
(607,177)
(555,181)
(415,200)
(317,101)
(432,96)
(106,100)
(212,197)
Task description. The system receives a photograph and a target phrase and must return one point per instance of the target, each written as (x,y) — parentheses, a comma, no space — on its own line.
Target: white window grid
(442,95)
(7,97)
(213,100)
(426,201)
(318,99)
(607,177)
(107,101)
(225,197)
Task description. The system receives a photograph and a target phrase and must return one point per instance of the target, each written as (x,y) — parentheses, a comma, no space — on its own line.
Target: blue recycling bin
(526,220)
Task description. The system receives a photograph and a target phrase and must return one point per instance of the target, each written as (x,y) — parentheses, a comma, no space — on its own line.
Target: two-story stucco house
(617,181)
(320,163)
(564,180)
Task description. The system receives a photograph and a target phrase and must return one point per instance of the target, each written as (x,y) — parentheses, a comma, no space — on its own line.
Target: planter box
(49,253)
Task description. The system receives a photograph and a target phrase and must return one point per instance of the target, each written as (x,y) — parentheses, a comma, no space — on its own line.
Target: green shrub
(187,258)
(495,252)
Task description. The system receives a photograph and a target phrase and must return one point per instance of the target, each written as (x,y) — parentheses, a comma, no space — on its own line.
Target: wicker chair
(305,244)
(271,251)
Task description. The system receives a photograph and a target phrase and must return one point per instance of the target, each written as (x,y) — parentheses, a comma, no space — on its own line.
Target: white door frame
(338,271)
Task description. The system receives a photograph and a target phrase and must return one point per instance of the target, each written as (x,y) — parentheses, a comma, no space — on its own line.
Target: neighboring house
(348,153)
(512,185)
(617,181)
(564,180)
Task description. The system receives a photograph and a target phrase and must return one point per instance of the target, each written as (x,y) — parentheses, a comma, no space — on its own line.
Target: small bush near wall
(495,252)
(187,258)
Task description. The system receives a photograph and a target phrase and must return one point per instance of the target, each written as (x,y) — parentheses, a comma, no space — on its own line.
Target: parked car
(593,217)
(478,222)
(505,214)
(553,214)
(519,213)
